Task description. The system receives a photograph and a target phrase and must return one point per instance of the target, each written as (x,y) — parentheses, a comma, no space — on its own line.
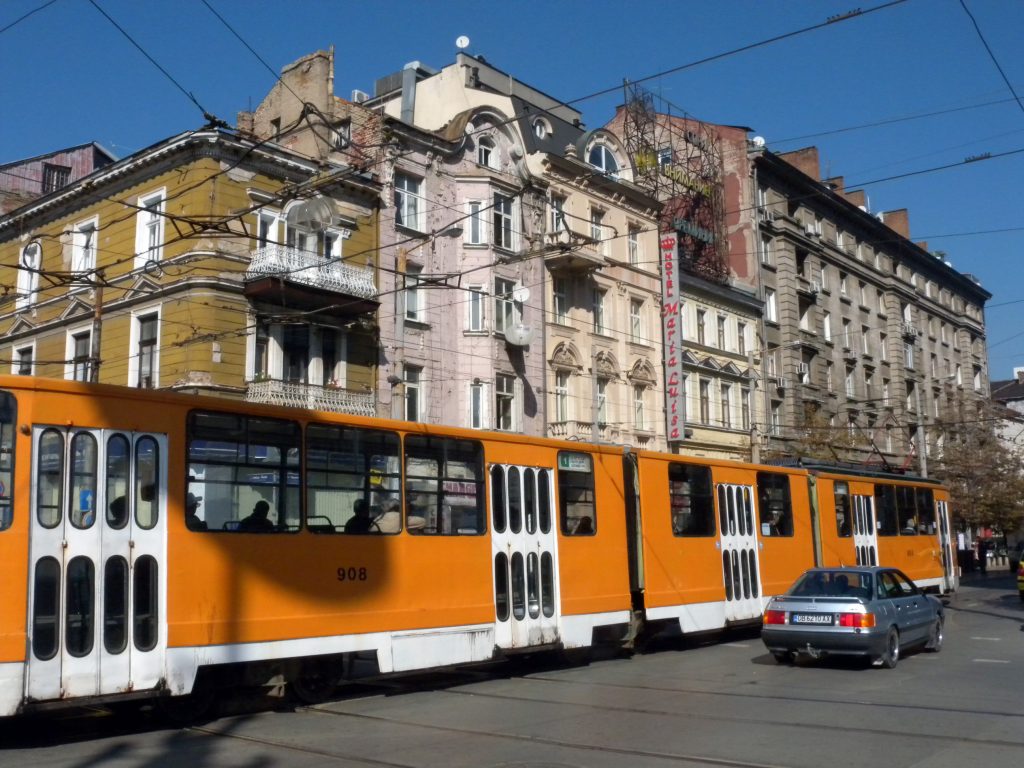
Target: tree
(985,476)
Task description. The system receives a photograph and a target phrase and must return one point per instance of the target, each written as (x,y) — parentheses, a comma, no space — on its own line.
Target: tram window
(117,481)
(147,477)
(885,509)
(115,605)
(498,498)
(844,514)
(349,468)
(444,486)
(775,504)
(906,510)
(145,603)
(544,500)
(246,471)
(81,604)
(926,511)
(45,608)
(50,479)
(8,420)
(501,602)
(547,584)
(530,499)
(690,500)
(82,500)
(515,500)
(576,508)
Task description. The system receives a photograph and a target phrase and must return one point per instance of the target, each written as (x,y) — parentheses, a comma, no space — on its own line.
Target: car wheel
(891,656)
(784,657)
(935,637)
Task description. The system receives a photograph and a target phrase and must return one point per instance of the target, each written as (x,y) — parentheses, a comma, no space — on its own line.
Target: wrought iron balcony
(298,395)
(280,274)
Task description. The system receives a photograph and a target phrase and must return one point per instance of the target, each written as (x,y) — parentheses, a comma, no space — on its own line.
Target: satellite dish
(758,141)
(519,335)
(313,215)
(521,294)
(462,42)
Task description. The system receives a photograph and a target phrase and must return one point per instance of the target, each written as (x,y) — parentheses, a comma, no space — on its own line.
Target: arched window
(486,154)
(602,158)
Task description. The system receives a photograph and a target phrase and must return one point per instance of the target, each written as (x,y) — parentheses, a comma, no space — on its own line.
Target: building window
(505,314)
(770,311)
(561,396)
(147,326)
(83,247)
(639,417)
(81,356)
(826,325)
(846,334)
(267,229)
(413,399)
(55,177)
(602,401)
(597,231)
(721,332)
(863,288)
(476,226)
(745,407)
(599,295)
(504,401)
(705,401)
(885,392)
(149,229)
(486,155)
(725,405)
(23,362)
(775,425)
(409,203)
(766,249)
(503,234)
(540,128)
(636,331)
(560,288)
(908,354)
(702,321)
(883,346)
(601,158)
(414,297)
(842,283)
(741,337)
(476,406)
(477,304)
(558,224)
(829,377)
(824,278)
(28,275)
(633,245)
(865,340)
(850,386)
(341,134)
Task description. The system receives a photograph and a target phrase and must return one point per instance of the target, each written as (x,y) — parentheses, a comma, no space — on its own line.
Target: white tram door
(949,582)
(738,538)
(97,585)
(524,556)
(865,539)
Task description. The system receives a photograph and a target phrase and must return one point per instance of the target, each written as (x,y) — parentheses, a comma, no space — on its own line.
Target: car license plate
(812,618)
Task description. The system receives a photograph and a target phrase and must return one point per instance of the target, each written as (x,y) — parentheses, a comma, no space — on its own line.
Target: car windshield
(833,584)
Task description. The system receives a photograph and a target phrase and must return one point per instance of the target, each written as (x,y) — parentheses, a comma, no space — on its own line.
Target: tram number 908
(352,573)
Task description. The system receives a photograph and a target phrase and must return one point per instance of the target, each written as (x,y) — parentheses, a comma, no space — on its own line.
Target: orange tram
(154,544)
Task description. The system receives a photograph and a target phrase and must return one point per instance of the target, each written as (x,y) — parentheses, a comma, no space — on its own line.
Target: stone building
(206,262)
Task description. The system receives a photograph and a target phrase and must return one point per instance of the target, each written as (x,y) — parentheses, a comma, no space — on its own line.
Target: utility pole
(755,438)
(97,325)
(922,447)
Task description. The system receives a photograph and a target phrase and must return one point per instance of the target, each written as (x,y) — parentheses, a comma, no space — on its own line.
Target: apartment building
(206,262)
(868,334)
(24,180)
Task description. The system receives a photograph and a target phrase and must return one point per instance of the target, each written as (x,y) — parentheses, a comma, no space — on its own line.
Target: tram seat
(319,524)
(230,525)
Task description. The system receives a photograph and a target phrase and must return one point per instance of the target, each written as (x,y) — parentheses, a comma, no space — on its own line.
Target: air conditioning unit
(359,96)
(804,369)
(815,286)
(811,231)
(782,382)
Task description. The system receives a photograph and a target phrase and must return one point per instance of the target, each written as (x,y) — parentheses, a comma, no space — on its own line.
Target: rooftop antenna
(462,42)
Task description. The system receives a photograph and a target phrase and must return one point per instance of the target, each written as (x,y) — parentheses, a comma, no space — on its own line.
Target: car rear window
(833,584)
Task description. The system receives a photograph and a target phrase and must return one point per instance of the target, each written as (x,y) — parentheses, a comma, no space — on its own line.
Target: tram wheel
(314,687)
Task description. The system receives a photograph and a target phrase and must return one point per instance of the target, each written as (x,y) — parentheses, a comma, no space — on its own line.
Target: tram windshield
(8,419)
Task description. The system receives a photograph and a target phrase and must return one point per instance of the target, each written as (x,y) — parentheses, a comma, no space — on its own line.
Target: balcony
(298,395)
(303,280)
(582,430)
(567,251)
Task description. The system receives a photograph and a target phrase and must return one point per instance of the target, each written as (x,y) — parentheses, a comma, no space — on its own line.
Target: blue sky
(71,77)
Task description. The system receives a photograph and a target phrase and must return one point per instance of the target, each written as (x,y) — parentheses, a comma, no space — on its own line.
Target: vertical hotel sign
(672,330)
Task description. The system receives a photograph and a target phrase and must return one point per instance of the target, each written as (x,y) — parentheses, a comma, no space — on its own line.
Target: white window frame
(415,386)
(69,351)
(767,250)
(271,235)
(560,299)
(149,227)
(476,309)
(725,404)
(771,313)
(741,337)
(505,394)
(599,296)
(633,244)
(476,223)
(28,276)
(84,239)
(598,229)
(487,153)
(602,400)
(415,311)
(506,314)
(639,409)
(504,234)
(133,344)
(604,153)
(410,204)
(477,405)
(562,386)
(636,321)
(826,324)
(16,358)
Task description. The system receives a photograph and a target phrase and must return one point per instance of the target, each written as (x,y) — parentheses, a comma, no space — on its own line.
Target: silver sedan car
(874,612)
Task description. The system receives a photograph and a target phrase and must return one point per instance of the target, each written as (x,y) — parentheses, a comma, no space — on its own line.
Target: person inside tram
(585,526)
(192,519)
(390,520)
(361,522)
(258,521)
(118,512)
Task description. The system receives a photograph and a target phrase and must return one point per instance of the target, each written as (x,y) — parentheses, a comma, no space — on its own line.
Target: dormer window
(486,155)
(602,158)
(541,129)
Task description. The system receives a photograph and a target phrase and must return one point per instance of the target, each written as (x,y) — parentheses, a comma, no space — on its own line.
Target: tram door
(946,545)
(524,554)
(738,536)
(97,588)
(864,535)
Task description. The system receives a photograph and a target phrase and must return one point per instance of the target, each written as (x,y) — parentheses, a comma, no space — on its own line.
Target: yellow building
(207,262)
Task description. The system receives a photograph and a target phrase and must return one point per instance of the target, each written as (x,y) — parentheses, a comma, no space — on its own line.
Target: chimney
(1018,374)
(923,245)
(836,183)
(898,221)
(804,160)
(857,198)
(246,123)
(409,92)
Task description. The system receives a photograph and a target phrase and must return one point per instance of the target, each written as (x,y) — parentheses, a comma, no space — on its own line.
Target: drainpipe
(409,92)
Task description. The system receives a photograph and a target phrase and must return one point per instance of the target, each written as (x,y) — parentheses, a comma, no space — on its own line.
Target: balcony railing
(298,395)
(298,266)
(582,430)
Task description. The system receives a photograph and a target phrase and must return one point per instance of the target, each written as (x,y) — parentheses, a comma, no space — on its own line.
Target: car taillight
(1020,569)
(774,617)
(856,619)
